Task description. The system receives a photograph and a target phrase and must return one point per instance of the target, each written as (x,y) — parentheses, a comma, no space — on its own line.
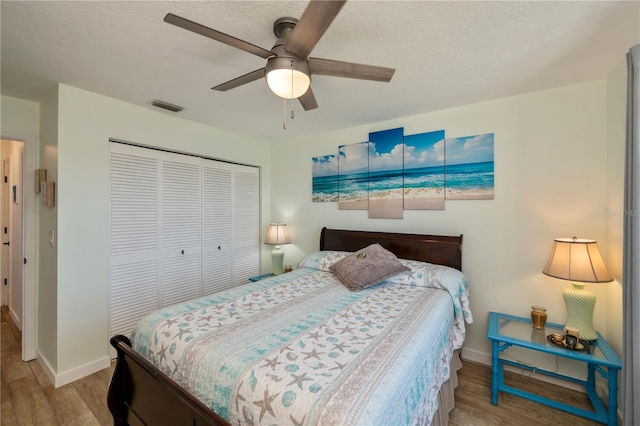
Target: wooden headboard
(436,249)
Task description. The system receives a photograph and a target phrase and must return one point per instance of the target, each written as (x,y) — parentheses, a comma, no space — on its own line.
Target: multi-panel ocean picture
(325,178)
(353,176)
(424,171)
(393,172)
(386,166)
(469,171)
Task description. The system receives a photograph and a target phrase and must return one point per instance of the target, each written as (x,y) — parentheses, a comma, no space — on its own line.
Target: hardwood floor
(473,401)
(29,398)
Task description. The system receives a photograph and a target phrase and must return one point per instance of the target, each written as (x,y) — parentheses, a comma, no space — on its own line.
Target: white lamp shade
(277,234)
(280,82)
(577,260)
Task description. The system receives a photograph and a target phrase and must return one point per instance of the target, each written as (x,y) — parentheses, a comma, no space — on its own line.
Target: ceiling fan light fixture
(279,81)
(288,78)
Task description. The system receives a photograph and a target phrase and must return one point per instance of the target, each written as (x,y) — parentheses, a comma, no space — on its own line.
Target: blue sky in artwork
(470,149)
(325,165)
(354,158)
(386,150)
(424,150)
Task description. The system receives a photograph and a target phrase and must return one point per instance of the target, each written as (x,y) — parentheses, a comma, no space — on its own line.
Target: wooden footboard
(140,394)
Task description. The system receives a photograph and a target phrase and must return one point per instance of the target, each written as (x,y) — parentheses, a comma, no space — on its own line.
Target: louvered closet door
(133,235)
(246,223)
(216,226)
(180,228)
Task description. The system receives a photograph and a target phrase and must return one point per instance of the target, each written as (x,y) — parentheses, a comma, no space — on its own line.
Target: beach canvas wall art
(386,153)
(469,168)
(353,176)
(424,171)
(325,179)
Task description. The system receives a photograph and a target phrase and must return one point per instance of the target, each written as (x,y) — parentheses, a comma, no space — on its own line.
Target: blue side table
(508,330)
(260,277)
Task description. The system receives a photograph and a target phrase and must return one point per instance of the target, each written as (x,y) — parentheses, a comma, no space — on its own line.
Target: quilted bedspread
(300,348)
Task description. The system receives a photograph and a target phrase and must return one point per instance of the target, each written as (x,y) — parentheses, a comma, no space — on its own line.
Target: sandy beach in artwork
(385,204)
(423,199)
(470,194)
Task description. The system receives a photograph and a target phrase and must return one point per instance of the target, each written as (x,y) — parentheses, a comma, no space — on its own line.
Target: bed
(301,348)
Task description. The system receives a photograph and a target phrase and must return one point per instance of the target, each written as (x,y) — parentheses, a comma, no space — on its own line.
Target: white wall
(47,292)
(19,116)
(616,134)
(86,121)
(550,181)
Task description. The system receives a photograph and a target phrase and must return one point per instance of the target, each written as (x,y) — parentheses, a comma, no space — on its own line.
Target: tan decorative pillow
(367,267)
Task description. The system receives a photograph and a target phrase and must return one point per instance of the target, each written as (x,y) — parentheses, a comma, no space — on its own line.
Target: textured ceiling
(447,54)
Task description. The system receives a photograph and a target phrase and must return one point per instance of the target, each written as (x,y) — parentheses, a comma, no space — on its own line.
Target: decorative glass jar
(538,317)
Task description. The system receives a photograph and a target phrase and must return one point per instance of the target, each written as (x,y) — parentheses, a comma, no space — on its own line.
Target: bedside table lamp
(578,261)
(277,234)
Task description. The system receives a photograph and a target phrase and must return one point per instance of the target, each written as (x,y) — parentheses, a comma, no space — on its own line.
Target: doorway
(11,222)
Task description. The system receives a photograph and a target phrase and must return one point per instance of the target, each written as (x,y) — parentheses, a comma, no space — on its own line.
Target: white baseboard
(48,370)
(72,375)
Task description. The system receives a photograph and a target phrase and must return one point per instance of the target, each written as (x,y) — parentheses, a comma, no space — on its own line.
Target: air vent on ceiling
(166,105)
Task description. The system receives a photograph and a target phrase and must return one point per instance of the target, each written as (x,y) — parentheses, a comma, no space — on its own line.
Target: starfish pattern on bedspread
(331,348)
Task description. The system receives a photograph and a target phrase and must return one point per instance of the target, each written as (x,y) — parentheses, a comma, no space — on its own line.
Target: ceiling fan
(289,68)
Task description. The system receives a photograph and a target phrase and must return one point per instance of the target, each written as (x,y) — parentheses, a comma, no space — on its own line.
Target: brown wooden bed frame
(140,394)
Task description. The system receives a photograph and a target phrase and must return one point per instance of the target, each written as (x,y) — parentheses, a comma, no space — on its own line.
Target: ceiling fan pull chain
(292,117)
(284,114)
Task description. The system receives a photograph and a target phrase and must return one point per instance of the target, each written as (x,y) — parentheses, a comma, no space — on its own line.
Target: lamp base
(580,304)
(277,255)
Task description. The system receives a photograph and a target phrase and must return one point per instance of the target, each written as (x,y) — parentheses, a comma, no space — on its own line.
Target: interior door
(6,199)
(16,257)
(134,244)
(181,228)
(216,226)
(246,224)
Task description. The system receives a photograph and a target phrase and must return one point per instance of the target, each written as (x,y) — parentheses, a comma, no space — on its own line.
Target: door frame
(29,247)
(6,257)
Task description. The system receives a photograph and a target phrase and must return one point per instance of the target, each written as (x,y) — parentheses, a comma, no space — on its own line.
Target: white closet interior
(180,227)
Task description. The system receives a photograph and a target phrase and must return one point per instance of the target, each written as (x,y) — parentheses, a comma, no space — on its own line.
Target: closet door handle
(182,252)
(7,243)
(218,247)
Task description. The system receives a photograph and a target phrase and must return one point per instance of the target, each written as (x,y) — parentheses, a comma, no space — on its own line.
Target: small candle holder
(538,317)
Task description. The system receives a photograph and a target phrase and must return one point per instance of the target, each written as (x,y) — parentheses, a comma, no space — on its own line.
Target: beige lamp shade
(577,260)
(277,234)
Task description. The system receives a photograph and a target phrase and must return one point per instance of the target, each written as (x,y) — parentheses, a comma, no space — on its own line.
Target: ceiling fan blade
(308,100)
(315,20)
(239,81)
(217,35)
(350,70)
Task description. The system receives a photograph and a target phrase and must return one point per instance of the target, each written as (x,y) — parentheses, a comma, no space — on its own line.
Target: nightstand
(509,330)
(260,277)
